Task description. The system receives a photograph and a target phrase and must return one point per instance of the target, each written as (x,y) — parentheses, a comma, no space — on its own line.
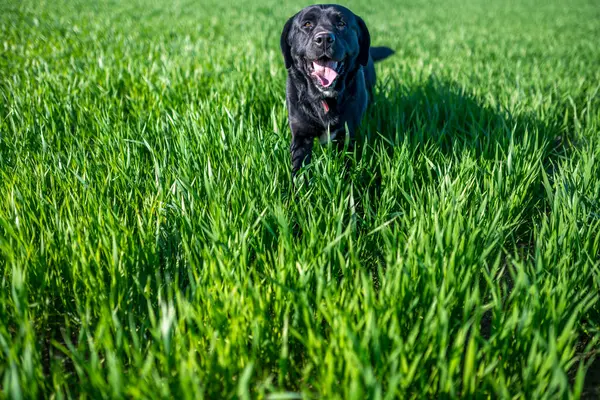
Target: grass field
(152,244)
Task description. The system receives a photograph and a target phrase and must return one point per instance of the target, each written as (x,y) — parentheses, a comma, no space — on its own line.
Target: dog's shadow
(437,116)
(448,116)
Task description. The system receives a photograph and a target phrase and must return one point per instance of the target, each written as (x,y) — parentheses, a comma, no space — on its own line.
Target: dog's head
(325,43)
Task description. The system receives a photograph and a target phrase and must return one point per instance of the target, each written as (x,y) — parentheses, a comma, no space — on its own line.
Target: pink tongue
(325,72)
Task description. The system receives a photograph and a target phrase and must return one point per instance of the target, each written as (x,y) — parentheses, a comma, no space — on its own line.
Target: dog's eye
(307,24)
(341,24)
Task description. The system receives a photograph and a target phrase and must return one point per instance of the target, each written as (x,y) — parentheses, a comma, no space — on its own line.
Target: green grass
(152,243)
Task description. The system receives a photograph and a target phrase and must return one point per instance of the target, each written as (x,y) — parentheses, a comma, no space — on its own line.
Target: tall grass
(153,245)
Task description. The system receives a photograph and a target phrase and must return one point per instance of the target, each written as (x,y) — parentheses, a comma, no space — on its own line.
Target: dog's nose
(324,39)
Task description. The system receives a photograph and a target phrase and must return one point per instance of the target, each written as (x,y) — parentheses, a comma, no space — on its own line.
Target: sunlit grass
(152,243)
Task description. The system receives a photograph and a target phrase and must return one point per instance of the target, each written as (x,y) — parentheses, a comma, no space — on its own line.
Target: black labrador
(329,59)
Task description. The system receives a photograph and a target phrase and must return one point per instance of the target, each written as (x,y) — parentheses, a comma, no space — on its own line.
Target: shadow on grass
(591,386)
(440,117)
(446,118)
(450,118)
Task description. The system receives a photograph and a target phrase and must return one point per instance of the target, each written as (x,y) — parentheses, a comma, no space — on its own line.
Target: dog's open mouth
(326,71)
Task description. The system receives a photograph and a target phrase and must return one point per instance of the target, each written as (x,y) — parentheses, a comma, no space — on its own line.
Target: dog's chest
(337,118)
(330,134)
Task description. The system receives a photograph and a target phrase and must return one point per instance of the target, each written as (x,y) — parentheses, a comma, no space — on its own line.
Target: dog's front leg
(300,150)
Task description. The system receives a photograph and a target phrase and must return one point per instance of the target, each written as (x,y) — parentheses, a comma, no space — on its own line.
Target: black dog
(329,59)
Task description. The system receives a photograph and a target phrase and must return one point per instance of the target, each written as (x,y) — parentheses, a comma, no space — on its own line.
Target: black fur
(315,110)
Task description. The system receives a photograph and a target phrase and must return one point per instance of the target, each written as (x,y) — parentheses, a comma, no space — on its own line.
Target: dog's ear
(284,43)
(364,41)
